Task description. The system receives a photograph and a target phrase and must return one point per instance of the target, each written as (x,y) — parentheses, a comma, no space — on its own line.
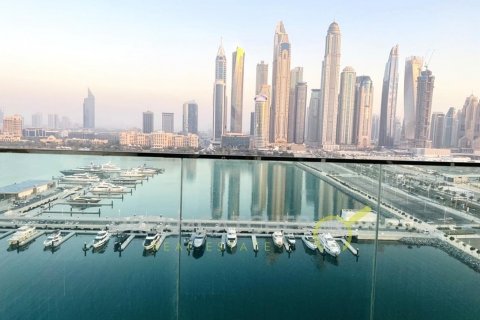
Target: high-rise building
(296,76)
(236,111)
(425,85)
(469,124)
(375,128)
(448,129)
(37,120)
(280,86)
(53,121)
(252,123)
(299,114)
(13,125)
(413,67)
(261,76)
(190,117)
(386,135)
(262,118)
(329,100)
(167,122)
(219,95)
(313,117)
(436,129)
(148,126)
(363,112)
(89,111)
(346,107)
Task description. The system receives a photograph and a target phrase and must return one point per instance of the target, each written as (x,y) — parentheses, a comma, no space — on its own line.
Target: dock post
(112,203)
(99,212)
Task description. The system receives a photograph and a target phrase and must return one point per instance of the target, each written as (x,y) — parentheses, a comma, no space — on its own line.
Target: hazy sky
(139,55)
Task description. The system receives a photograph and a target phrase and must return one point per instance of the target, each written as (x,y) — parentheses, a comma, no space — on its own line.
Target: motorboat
(151,241)
(231,237)
(329,244)
(53,239)
(85,199)
(133,173)
(277,238)
(309,242)
(110,168)
(199,239)
(103,169)
(21,235)
(146,171)
(290,239)
(82,178)
(106,187)
(101,239)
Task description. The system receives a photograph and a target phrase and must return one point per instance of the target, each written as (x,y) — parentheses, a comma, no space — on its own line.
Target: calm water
(212,189)
(417,283)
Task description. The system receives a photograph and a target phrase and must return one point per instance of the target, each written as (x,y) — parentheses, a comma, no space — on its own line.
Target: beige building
(158,140)
(13,125)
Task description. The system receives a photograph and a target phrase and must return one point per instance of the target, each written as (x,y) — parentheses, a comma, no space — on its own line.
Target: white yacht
(146,171)
(133,173)
(106,187)
(290,239)
(21,235)
(85,199)
(53,240)
(101,239)
(80,178)
(199,239)
(277,238)
(231,237)
(309,242)
(329,244)
(151,241)
(110,168)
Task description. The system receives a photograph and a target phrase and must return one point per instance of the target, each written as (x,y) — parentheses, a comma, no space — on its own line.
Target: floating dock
(125,243)
(65,238)
(223,242)
(6,234)
(287,245)
(254,243)
(350,247)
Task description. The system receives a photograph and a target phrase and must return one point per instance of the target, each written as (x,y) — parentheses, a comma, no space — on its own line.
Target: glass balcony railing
(206,237)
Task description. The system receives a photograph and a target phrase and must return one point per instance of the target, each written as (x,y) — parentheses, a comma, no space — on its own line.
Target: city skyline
(55,82)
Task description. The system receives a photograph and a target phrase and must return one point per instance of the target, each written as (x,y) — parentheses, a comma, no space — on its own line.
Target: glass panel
(430,270)
(232,200)
(50,279)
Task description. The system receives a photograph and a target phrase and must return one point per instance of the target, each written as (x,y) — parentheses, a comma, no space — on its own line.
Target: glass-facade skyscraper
(89,111)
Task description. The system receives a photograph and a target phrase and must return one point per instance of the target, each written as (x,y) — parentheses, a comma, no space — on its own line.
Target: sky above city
(156,55)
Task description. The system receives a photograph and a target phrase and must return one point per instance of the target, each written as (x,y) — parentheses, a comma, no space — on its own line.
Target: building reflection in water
(190,166)
(233,193)
(259,189)
(216,189)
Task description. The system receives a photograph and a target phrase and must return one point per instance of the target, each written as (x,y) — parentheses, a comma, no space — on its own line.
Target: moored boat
(231,237)
(329,244)
(151,241)
(53,240)
(21,235)
(309,242)
(199,239)
(101,239)
(277,238)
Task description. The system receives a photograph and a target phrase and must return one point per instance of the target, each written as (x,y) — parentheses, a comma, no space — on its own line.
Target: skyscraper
(252,123)
(375,127)
(236,111)
(299,114)
(436,129)
(313,116)
(413,67)
(469,123)
(425,84)
(386,135)
(280,86)
(148,122)
(167,122)
(53,121)
(329,100)
(296,76)
(448,128)
(89,111)
(190,117)
(363,112)
(346,104)
(219,95)
(262,118)
(37,120)
(261,76)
